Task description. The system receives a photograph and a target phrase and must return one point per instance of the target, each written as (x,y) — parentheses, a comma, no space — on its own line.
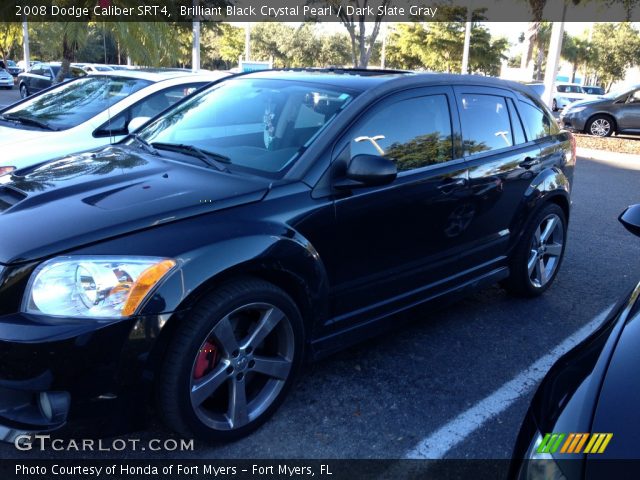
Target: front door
(397,240)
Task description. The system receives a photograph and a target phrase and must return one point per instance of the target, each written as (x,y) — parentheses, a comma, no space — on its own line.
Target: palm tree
(577,52)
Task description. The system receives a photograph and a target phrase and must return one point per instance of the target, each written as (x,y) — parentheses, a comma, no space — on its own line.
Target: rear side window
(485,123)
(537,122)
(415,132)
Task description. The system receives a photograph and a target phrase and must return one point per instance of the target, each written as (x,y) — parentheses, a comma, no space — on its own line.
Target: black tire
(24,91)
(521,280)
(554,105)
(177,380)
(600,126)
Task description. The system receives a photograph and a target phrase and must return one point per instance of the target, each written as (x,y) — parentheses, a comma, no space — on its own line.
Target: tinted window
(569,89)
(223,120)
(415,132)
(594,90)
(516,124)
(71,104)
(485,123)
(538,124)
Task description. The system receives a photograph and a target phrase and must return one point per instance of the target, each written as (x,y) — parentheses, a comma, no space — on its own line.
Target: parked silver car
(615,112)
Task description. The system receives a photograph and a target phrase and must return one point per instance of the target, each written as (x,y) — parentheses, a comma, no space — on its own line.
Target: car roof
(363,80)
(158,75)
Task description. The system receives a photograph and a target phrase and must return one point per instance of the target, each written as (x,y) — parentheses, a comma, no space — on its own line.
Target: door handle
(448,186)
(529,162)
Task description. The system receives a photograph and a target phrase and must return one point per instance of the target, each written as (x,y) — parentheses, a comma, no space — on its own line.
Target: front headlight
(93,287)
(539,466)
(575,109)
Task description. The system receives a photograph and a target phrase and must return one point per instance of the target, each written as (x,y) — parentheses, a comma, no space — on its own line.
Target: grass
(610,144)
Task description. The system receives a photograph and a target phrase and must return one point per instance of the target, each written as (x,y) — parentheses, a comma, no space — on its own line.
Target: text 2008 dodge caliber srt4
(188,271)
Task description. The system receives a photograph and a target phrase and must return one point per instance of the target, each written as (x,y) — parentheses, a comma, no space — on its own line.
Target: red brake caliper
(206,360)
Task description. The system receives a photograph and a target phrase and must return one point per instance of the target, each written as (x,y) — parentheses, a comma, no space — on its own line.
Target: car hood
(24,147)
(92,196)
(617,409)
(590,102)
(14,136)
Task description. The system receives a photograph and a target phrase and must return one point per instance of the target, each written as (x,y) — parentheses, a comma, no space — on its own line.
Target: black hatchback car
(271,218)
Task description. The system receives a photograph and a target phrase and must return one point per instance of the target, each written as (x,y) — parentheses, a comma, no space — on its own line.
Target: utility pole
(247,41)
(553,58)
(383,54)
(467,42)
(195,47)
(25,42)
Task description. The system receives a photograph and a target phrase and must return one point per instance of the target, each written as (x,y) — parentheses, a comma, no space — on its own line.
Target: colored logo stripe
(598,442)
(574,442)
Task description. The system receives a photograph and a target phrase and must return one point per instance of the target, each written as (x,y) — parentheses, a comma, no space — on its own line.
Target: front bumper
(68,376)
(6,82)
(574,122)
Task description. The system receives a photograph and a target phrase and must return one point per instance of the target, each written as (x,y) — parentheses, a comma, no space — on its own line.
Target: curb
(606,155)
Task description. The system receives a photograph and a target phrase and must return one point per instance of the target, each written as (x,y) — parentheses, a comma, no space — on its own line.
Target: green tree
(362,43)
(576,51)
(438,47)
(616,47)
(10,36)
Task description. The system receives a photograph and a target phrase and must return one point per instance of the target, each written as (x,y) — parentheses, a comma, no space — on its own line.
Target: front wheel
(554,105)
(537,257)
(24,92)
(231,362)
(600,126)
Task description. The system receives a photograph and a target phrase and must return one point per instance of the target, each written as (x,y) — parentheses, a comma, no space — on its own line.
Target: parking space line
(437,444)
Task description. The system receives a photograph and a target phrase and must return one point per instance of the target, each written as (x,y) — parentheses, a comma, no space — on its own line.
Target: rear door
(503,157)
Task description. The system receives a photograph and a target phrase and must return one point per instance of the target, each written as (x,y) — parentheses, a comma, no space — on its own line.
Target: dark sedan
(586,409)
(43,75)
(10,66)
(615,112)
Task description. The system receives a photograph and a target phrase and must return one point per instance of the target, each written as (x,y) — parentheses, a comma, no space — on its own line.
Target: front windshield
(11,63)
(260,124)
(73,103)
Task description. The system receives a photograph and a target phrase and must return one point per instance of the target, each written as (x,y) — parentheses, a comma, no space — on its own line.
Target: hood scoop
(9,197)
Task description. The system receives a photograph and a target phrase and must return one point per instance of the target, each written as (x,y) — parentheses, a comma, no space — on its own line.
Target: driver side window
(415,132)
(634,97)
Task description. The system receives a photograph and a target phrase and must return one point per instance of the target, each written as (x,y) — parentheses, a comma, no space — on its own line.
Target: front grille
(9,197)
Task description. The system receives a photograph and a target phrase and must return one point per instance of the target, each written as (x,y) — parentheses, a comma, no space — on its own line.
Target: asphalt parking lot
(383,398)
(7,97)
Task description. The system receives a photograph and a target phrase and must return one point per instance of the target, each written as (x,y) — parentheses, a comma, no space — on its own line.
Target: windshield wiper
(144,144)
(212,159)
(29,121)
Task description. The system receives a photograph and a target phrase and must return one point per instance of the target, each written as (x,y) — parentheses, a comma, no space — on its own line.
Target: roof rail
(343,70)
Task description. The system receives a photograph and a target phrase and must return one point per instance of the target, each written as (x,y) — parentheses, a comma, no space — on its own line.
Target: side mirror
(368,171)
(630,218)
(136,123)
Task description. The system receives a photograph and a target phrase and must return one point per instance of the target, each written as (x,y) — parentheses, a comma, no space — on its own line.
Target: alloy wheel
(546,250)
(600,127)
(241,366)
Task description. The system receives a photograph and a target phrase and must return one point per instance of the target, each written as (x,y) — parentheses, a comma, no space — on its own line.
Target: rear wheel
(537,257)
(600,126)
(231,363)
